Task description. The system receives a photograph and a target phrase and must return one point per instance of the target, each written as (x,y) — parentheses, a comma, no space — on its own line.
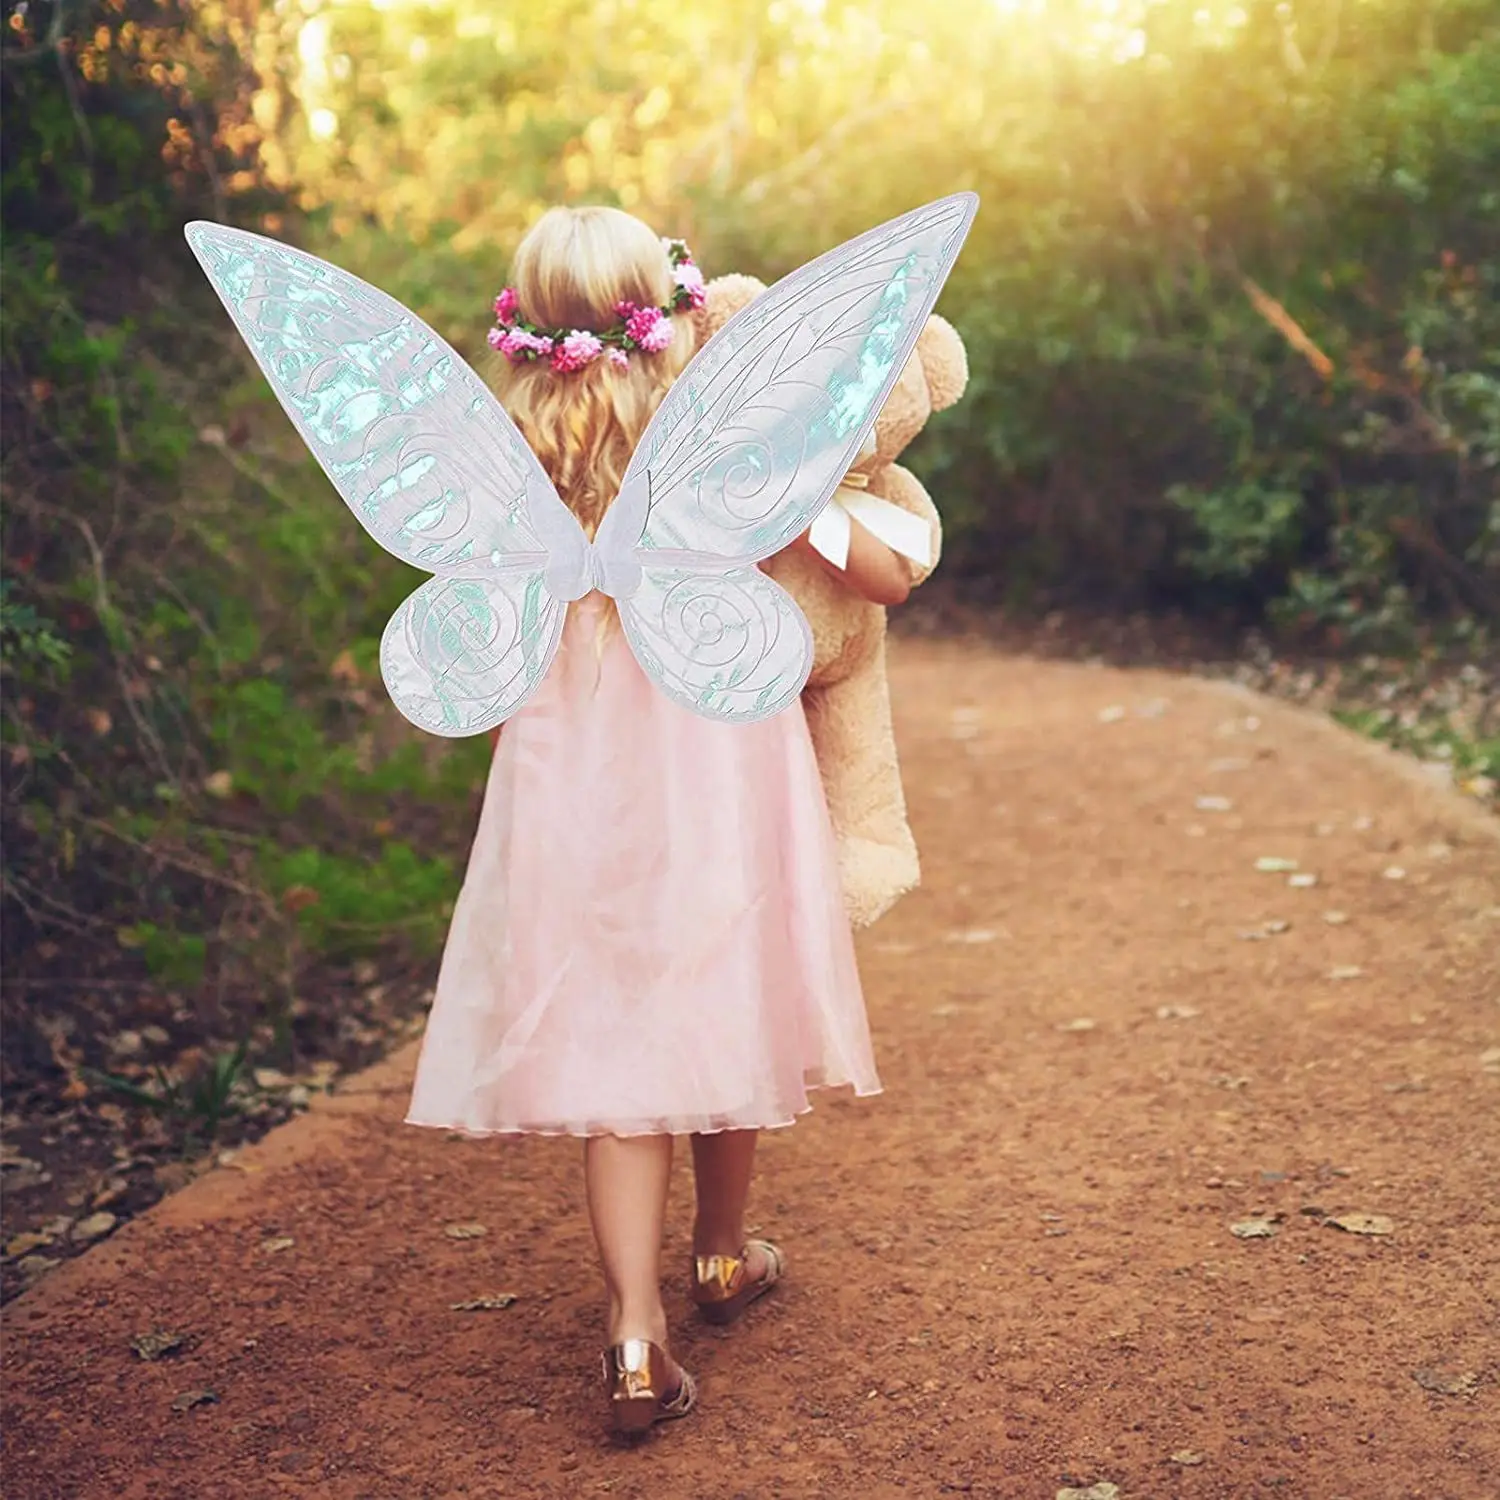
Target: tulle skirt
(651,935)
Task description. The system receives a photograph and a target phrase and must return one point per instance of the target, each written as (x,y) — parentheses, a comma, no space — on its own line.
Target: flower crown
(644,329)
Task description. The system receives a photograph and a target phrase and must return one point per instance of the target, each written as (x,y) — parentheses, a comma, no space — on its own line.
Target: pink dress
(651,935)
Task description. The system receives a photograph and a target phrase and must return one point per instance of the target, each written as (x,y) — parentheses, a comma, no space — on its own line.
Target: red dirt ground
(1012,1274)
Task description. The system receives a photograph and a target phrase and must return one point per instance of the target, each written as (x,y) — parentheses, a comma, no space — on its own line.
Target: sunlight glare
(1109,29)
(312,43)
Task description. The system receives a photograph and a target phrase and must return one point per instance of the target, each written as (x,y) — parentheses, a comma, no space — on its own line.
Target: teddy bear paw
(874,877)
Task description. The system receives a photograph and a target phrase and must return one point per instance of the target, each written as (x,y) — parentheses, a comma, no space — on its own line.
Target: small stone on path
(1444,1383)
(1255,1229)
(153,1345)
(1362,1224)
(189,1399)
(465,1231)
(96,1226)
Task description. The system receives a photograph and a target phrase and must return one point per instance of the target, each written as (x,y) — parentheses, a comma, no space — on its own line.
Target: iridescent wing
(429,463)
(747,448)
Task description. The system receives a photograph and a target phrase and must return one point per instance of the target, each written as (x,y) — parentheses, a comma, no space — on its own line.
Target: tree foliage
(197,795)
(1230,299)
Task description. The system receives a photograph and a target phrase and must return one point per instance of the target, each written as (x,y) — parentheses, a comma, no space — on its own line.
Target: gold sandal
(636,1373)
(722,1287)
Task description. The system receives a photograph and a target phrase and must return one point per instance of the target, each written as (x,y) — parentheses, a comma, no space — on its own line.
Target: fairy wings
(742,455)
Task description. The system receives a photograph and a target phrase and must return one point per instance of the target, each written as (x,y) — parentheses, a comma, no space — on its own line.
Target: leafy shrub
(1230,300)
(206,792)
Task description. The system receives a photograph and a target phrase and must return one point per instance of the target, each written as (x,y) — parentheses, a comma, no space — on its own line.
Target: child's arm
(494,739)
(872,569)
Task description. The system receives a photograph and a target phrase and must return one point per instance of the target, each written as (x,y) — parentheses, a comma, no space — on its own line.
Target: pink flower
(505,306)
(580,348)
(494,338)
(650,328)
(517,344)
(690,279)
(624,310)
(640,321)
(658,336)
(619,359)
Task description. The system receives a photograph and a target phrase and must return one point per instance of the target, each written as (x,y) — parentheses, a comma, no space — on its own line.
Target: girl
(650,941)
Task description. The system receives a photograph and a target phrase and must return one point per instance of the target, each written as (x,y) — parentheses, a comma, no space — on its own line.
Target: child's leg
(627,1179)
(722,1167)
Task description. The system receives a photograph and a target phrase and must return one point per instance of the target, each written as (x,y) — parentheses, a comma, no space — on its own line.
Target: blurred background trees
(1230,298)
(1230,303)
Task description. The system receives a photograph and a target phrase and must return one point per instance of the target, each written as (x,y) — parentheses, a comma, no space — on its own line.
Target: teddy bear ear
(945,362)
(726,295)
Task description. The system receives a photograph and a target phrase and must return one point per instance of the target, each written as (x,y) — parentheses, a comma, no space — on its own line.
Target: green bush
(191,725)
(1230,300)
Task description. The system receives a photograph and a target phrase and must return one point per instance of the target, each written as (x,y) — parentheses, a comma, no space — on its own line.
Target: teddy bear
(847,698)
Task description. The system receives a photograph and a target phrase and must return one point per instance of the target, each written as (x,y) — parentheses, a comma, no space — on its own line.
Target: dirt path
(1014,1272)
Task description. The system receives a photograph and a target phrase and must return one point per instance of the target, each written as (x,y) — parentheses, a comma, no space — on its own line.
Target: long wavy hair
(571,269)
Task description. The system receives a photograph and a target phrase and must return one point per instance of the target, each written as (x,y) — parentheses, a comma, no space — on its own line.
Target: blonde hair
(571,269)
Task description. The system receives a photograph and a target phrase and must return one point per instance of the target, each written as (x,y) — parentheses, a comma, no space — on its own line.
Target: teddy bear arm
(901,487)
(850,725)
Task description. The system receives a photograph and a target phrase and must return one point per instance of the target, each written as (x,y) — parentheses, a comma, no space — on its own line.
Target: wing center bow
(602,568)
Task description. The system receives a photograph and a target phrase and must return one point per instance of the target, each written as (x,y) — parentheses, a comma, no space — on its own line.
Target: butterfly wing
(730,644)
(462,653)
(747,448)
(430,465)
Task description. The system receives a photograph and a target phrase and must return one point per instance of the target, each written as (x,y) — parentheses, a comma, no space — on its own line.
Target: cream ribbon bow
(899,529)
